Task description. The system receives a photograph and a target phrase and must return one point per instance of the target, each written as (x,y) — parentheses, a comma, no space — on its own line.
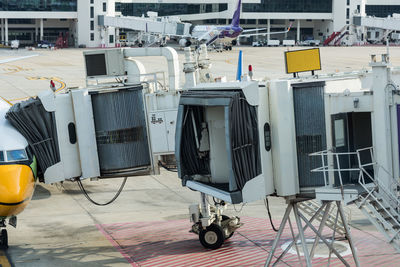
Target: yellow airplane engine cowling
(17,183)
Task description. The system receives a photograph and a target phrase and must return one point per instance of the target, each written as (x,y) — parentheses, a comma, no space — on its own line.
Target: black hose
(269,214)
(101,204)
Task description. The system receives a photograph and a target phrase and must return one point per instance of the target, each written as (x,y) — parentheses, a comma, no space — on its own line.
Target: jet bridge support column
(381,119)
(189,68)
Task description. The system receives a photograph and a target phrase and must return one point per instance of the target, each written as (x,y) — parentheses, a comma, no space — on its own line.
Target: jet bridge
(104,130)
(332,138)
(167,26)
(389,23)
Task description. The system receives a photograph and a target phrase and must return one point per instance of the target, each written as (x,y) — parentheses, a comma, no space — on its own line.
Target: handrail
(389,194)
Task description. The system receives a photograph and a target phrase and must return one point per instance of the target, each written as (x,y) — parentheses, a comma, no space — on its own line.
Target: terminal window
(104,7)
(138,9)
(285,6)
(381,11)
(39,5)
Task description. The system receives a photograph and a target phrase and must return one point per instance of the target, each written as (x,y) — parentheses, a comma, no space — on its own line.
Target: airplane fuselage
(229,32)
(18,169)
(219,34)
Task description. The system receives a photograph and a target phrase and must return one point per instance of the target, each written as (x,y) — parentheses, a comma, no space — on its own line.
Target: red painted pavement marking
(169,243)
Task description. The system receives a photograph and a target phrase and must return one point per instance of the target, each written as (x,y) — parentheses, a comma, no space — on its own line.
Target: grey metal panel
(100,20)
(309,111)
(121,131)
(180,27)
(357,20)
(230,197)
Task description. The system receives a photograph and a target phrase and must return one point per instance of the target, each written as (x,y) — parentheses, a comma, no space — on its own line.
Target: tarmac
(61,228)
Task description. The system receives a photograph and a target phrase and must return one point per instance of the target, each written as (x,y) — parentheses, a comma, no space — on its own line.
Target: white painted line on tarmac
(16,58)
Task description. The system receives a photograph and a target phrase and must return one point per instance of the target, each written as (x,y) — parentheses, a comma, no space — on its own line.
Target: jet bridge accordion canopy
(238,135)
(97,133)
(121,131)
(38,126)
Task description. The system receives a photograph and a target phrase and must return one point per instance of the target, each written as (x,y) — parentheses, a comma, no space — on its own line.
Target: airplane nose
(16,185)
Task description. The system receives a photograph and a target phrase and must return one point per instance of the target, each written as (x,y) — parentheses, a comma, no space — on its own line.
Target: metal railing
(326,169)
(391,194)
(386,199)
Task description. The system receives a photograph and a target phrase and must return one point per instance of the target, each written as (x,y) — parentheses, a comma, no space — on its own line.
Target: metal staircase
(334,36)
(381,205)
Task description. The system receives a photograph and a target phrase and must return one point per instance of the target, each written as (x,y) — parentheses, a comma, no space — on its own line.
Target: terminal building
(32,21)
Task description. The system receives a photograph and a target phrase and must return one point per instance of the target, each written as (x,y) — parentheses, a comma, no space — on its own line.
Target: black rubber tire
(224,217)
(213,229)
(4,239)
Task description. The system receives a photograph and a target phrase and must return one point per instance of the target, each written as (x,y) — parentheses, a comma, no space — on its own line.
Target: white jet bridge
(151,26)
(389,23)
(332,138)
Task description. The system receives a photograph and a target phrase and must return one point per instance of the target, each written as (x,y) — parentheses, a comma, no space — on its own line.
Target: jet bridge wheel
(212,237)
(4,239)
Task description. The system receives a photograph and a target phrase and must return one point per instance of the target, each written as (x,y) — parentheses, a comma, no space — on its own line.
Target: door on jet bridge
(340,142)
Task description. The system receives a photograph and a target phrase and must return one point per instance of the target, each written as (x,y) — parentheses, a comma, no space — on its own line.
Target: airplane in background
(225,36)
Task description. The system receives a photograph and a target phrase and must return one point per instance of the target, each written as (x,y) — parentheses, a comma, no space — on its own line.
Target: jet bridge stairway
(380,204)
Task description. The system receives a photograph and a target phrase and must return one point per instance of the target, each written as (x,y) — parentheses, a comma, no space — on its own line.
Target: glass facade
(38,5)
(381,10)
(298,6)
(138,9)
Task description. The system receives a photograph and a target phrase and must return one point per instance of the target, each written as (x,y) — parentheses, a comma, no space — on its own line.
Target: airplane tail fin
(236,15)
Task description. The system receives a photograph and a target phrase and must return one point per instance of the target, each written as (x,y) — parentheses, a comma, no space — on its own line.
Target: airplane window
(1,156)
(15,155)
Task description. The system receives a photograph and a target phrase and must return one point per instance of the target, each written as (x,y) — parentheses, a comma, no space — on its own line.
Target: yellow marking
(38,78)
(8,102)
(302,60)
(14,69)
(4,262)
(62,84)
